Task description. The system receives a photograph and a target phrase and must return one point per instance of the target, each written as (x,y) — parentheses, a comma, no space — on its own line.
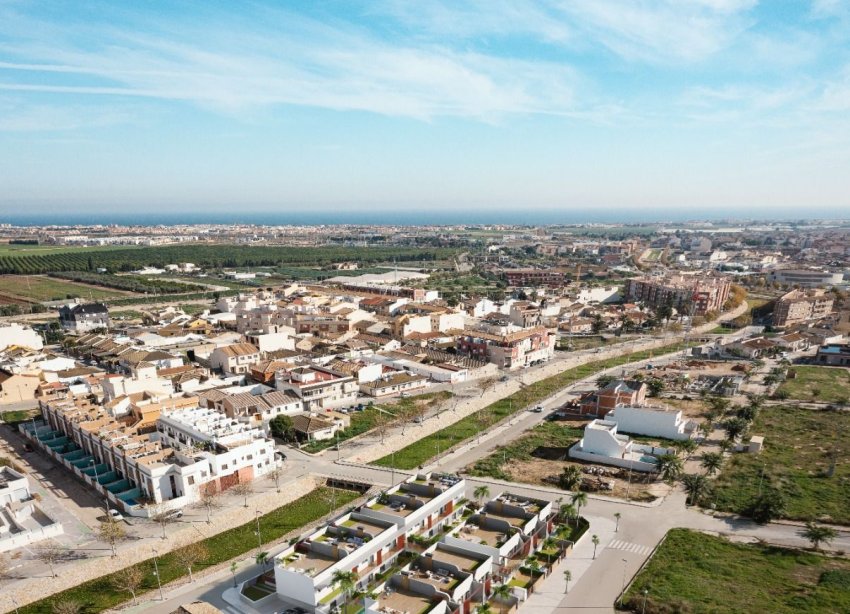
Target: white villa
(604,445)
(652,422)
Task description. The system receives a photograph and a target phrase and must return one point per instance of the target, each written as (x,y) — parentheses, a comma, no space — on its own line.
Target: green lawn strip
(826,384)
(700,574)
(100,594)
(798,448)
(366,420)
(423,450)
(547,434)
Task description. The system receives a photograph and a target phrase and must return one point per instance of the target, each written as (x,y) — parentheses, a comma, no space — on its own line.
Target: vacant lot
(827,384)
(537,457)
(700,574)
(799,448)
(35,288)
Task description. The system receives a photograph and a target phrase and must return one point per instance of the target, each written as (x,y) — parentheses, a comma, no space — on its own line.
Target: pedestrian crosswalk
(629,547)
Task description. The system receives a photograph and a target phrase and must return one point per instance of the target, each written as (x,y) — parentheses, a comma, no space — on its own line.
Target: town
(442,419)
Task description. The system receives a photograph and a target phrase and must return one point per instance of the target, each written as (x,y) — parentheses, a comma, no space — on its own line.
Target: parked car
(174,514)
(115,515)
(537,409)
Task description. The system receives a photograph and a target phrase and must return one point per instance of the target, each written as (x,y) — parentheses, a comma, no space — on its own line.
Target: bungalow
(394,383)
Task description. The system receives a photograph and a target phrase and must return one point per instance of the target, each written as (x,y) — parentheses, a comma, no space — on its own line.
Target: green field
(798,449)
(100,594)
(213,256)
(36,288)
(827,384)
(701,574)
(423,450)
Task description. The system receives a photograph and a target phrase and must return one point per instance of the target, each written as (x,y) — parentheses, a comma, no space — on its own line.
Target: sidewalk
(549,593)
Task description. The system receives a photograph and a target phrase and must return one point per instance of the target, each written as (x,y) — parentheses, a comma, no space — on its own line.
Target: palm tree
(712,462)
(725,445)
(345,581)
(503,592)
(261,559)
(579,499)
(595,540)
(481,492)
(696,485)
(568,576)
(735,427)
(568,512)
(549,544)
(617,516)
(669,467)
(818,534)
(570,478)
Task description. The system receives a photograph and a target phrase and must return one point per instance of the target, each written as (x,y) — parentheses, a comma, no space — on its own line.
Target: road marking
(629,547)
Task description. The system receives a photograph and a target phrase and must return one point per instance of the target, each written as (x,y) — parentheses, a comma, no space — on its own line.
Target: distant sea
(412,216)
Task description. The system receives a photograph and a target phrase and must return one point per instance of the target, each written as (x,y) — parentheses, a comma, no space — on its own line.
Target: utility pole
(156,573)
(259,537)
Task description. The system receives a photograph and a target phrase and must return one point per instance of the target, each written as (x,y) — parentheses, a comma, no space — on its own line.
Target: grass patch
(797,452)
(700,574)
(17,416)
(423,450)
(100,594)
(37,289)
(547,434)
(827,384)
(368,419)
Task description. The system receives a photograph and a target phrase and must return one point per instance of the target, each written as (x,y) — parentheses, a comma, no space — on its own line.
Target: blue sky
(438,104)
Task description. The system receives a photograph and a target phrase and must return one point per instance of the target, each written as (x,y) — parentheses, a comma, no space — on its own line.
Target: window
(224,466)
(191,480)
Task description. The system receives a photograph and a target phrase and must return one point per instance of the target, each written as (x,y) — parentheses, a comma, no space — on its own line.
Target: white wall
(15,334)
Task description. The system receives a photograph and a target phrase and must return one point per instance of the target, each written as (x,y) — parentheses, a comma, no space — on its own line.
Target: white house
(21,336)
(603,444)
(652,421)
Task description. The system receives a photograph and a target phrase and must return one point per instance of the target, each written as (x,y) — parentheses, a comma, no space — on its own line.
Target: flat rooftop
(514,521)
(461,561)
(395,509)
(397,601)
(476,534)
(311,563)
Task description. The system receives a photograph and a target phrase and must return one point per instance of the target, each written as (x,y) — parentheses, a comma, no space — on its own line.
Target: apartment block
(798,307)
(697,294)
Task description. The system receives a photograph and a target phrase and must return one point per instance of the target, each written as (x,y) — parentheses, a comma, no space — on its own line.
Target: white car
(115,515)
(537,409)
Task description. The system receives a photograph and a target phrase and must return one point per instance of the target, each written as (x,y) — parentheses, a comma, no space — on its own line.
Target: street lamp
(623,590)
(645,593)
(259,537)
(156,573)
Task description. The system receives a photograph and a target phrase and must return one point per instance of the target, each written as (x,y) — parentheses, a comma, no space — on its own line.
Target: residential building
(614,394)
(365,541)
(529,277)
(318,387)
(798,307)
(235,359)
(509,348)
(399,382)
(17,387)
(312,427)
(84,317)
(651,421)
(689,294)
(15,335)
(22,520)
(602,444)
(834,355)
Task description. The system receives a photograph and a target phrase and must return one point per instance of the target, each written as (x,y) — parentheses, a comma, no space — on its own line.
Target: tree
(688,446)
(484,608)
(345,581)
(274,475)
(50,555)
(818,534)
(163,517)
(617,516)
(656,387)
(190,555)
(712,462)
(735,428)
(568,576)
(281,427)
(725,445)
(111,532)
(579,499)
(768,505)
(210,499)
(570,478)
(567,511)
(595,540)
(604,380)
(669,467)
(486,384)
(481,492)
(128,579)
(244,490)
(66,606)
(719,404)
(696,485)
(503,593)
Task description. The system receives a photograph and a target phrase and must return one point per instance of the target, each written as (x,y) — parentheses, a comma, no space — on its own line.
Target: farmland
(209,256)
(827,384)
(23,289)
